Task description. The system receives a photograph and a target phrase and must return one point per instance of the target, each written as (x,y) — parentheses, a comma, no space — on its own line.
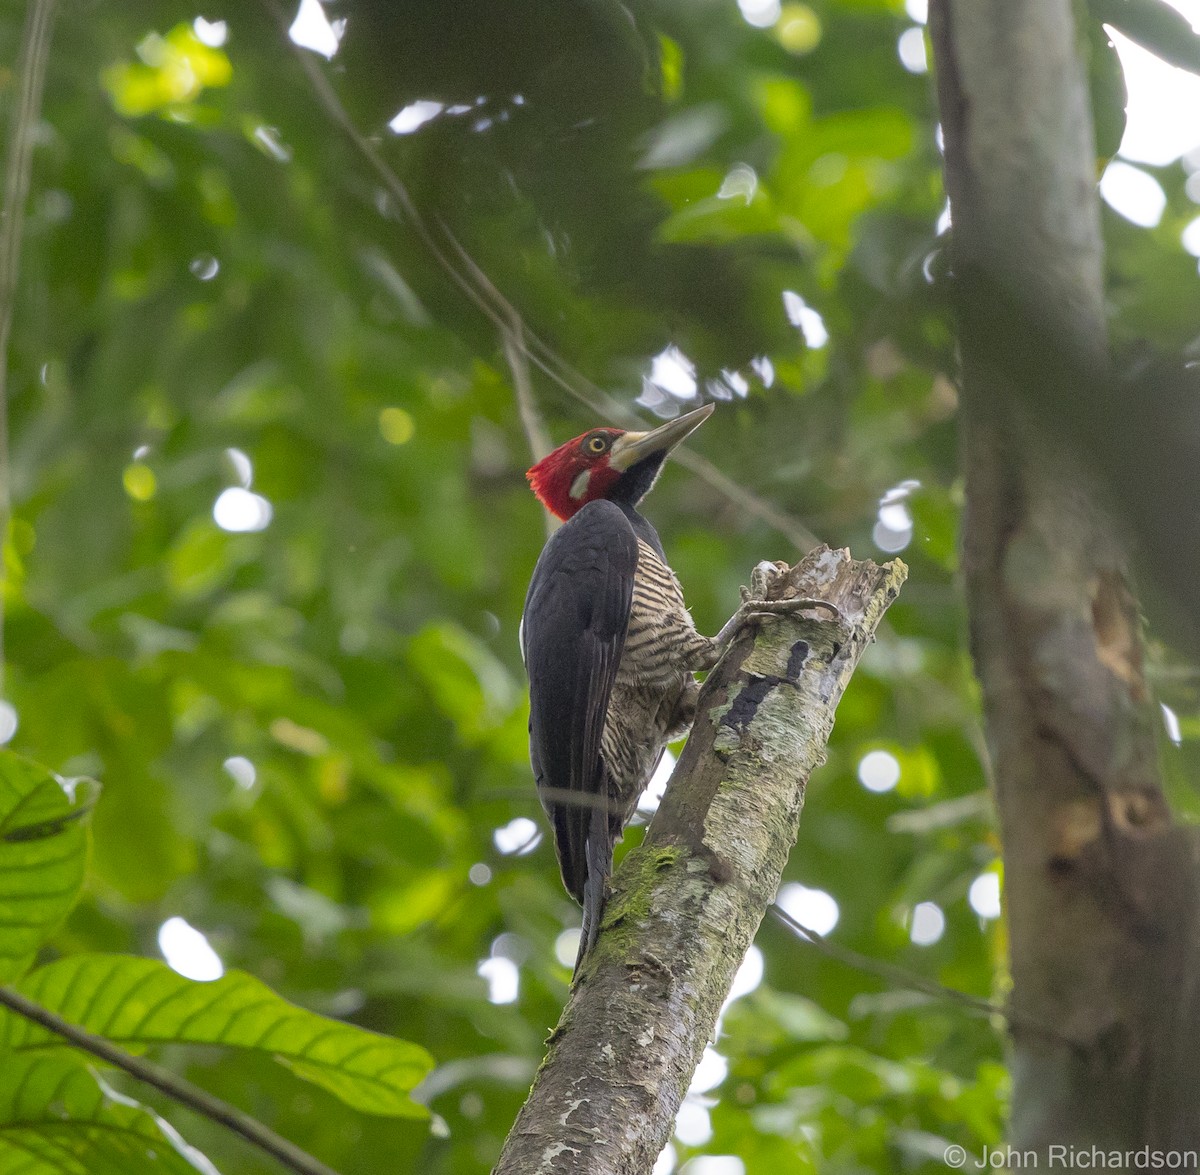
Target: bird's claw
(757,602)
(756,606)
(762,579)
(753,609)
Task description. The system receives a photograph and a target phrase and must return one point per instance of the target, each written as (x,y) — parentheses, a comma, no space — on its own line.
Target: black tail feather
(599,856)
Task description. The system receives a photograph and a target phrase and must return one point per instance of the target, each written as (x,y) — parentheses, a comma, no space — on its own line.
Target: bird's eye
(597,444)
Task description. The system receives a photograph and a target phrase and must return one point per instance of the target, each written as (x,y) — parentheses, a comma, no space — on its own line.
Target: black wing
(572,637)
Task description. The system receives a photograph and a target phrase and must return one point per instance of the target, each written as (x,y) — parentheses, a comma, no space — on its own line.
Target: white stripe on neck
(579,486)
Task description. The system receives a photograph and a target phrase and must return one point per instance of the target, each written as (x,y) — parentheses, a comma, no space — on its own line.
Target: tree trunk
(1101,887)
(685,905)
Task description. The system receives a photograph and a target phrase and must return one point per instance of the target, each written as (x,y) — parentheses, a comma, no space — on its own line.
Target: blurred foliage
(57,1116)
(272,536)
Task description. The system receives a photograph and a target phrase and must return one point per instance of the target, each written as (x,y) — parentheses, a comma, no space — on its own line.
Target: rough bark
(685,905)
(1101,887)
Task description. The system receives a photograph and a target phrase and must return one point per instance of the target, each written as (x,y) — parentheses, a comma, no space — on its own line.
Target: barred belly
(654,695)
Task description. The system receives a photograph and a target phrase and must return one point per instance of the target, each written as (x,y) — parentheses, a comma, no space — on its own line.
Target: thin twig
(501,312)
(31,72)
(512,338)
(902,977)
(795,532)
(517,356)
(515,351)
(170,1084)
(531,418)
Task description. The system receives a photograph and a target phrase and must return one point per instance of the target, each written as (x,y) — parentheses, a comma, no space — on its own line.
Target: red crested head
(593,465)
(576,473)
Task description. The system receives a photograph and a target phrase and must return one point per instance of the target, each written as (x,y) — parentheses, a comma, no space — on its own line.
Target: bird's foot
(752,609)
(757,599)
(756,606)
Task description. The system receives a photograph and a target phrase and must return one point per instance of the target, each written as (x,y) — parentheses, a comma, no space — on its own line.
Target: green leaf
(468,683)
(173,72)
(670,58)
(57,1117)
(1155,26)
(43,851)
(138,1002)
(1106,80)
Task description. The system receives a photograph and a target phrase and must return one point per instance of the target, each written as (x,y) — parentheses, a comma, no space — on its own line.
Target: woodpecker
(609,647)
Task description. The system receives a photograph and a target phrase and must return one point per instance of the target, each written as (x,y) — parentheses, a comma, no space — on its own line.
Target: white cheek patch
(579,486)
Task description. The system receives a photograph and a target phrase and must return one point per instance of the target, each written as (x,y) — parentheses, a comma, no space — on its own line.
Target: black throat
(630,488)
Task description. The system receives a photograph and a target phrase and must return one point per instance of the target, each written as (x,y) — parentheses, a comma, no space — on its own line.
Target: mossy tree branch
(685,905)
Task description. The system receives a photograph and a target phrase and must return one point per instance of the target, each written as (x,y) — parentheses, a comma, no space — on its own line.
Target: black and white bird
(609,646)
